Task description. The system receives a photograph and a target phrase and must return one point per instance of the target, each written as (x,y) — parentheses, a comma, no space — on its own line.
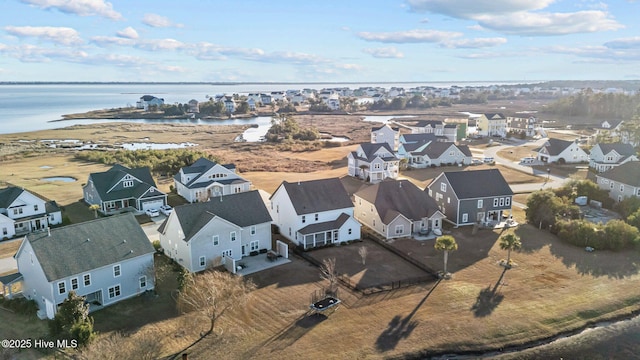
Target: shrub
(157,246)
(20,305)
(253,253)
(263,251)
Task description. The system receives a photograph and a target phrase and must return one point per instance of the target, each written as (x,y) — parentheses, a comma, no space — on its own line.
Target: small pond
(59,178)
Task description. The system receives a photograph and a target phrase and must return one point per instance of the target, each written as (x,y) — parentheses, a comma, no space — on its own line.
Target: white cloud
(112,40)
(161,44)
(35,54)
(626,43)
(410,36)
(158,21)
(172,68)
(598,53)
(79,7)
(385,53)
(468,9)
(60,35)
(474,43)
(128,33)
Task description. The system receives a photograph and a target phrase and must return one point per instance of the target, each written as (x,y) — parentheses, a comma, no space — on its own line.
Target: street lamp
(548,174)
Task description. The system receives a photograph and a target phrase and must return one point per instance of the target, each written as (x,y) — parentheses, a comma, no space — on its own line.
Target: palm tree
(95,208)
(510,242)
(446,243)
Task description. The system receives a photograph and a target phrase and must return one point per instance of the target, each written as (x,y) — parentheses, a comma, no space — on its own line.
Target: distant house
(444,132)
(603,157)
(198,236)
(148,100)
(562,152)
(522,125)
(622,181)
(314,213)
(229,104)
(492,124)
(265,99)
(22,212)
(386,134)
(122,189)
(397,208)
(205,179)
(468,197)
(106,260)
(373,162)
(193,106)
(252,104)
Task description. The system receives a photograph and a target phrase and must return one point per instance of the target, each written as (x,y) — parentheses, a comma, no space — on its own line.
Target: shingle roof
(620,148)
(478,183)
(324,226)
(393,197)
(370,150)
(9,195)
(103,181)
(627,173)
(412,138)
(555,146)
(490,116)
(69,252)
(243,209)
(201,166)
(317,195)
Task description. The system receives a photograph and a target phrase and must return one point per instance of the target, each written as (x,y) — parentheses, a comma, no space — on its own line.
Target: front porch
(30,224)
(118,206)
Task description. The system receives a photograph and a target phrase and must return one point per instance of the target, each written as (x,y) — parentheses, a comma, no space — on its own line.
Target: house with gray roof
(622,181)
(561,152)
(314,213)
(603,157)
(205,179)
(434,153)
(147,101)
(121,189)
(200,235)
(397,208)
(106,260)
(386,134)
(373,162)
(469,197)
(22,212)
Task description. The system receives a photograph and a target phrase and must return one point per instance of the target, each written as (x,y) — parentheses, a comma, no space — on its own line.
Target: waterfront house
(397,208)
(193,106)
(147,101)
(622,181)
(373,162)
(561,152)
(205,179)
(468,197)
(122,189)
(106,260)
(603,157)
(197,236)
(314,213)
(23,212)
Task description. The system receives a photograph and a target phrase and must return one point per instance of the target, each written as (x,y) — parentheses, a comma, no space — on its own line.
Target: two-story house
(105,260)
(622,181)
(373,162)
(561,152)
(147,101)
(22,212)
(468,197)
(603,157)
(397,208)
(199,235)
(522,125)
(386,134)
(205,179)
(493,124)
(122,189)
(314,213)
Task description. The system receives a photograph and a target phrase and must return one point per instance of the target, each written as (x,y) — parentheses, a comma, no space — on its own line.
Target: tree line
(158,161)
(599,105)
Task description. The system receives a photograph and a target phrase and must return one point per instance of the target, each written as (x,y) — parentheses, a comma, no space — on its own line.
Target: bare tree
(363,253)
(214,293)
(141,345)
(328,272)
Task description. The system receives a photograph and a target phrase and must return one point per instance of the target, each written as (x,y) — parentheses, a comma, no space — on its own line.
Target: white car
(152,212)
(166,209)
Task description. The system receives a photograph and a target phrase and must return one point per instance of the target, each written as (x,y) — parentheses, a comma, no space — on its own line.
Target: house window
(436,223)
(501,201)
(232,235)
(507,201)
(62,288)
(5,231)
(216,240)
(74,284)
(304,219)
(495,202)
(254,245)
(480,204)
(316,217)
(443,187)
(227,253)
(448,200)
(611,185)
(116,271)
(252,230)
(465,217)
(399,229)
(110,204)
(86,279)
(376,166)
(349,231)
(374,222)
(430,192)
(114,291)
(143,281)
(202,261)
(17,211)
(621,187)
(127,183)
(35,207)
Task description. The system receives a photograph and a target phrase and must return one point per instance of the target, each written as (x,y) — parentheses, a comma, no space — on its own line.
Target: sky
(318,41)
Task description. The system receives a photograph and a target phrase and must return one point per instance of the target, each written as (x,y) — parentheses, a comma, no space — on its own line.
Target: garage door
(155,204)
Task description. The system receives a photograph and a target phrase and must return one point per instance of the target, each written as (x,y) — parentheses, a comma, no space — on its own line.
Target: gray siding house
(622,181)
(604,157)
(205,179)
(106,260)
(468,197)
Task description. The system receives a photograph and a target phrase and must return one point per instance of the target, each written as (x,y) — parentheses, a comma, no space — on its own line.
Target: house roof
(620,148)
(370,150)
(478,183)
(430,123)
(201,166)
(383,126)
(325,226)
(421,137)
(9,195)
(242,209)
(494,116)
(103,181)
(315,196)
(393,197)
(627,173)
(555,146)
(78,248)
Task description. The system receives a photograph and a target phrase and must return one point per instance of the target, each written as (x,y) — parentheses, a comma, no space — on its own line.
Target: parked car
(166,209)
(476,162)
(488,160)
(152,212)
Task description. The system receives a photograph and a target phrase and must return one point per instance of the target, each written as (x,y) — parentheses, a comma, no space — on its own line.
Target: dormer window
(127,183)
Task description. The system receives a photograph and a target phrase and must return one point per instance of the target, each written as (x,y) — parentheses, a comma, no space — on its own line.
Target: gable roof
(494,116)
(315,196)
(79,248)
(385,125)
(242,209)
(627,173)
(555,146)
(420,137)
(393,197)
(103,181)
(429,123)
(478,183)
(620,148)
(370,150)
(9,195)
(201,166)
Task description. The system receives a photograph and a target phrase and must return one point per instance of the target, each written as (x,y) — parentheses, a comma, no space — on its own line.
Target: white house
(229,104)
(562,152)
(603,157)
(22,212)
(434,153)
(105,260)
(373,162)
(198,236)
(149,100)
(622,181)
(386,134)
(205,179)
(314,213)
